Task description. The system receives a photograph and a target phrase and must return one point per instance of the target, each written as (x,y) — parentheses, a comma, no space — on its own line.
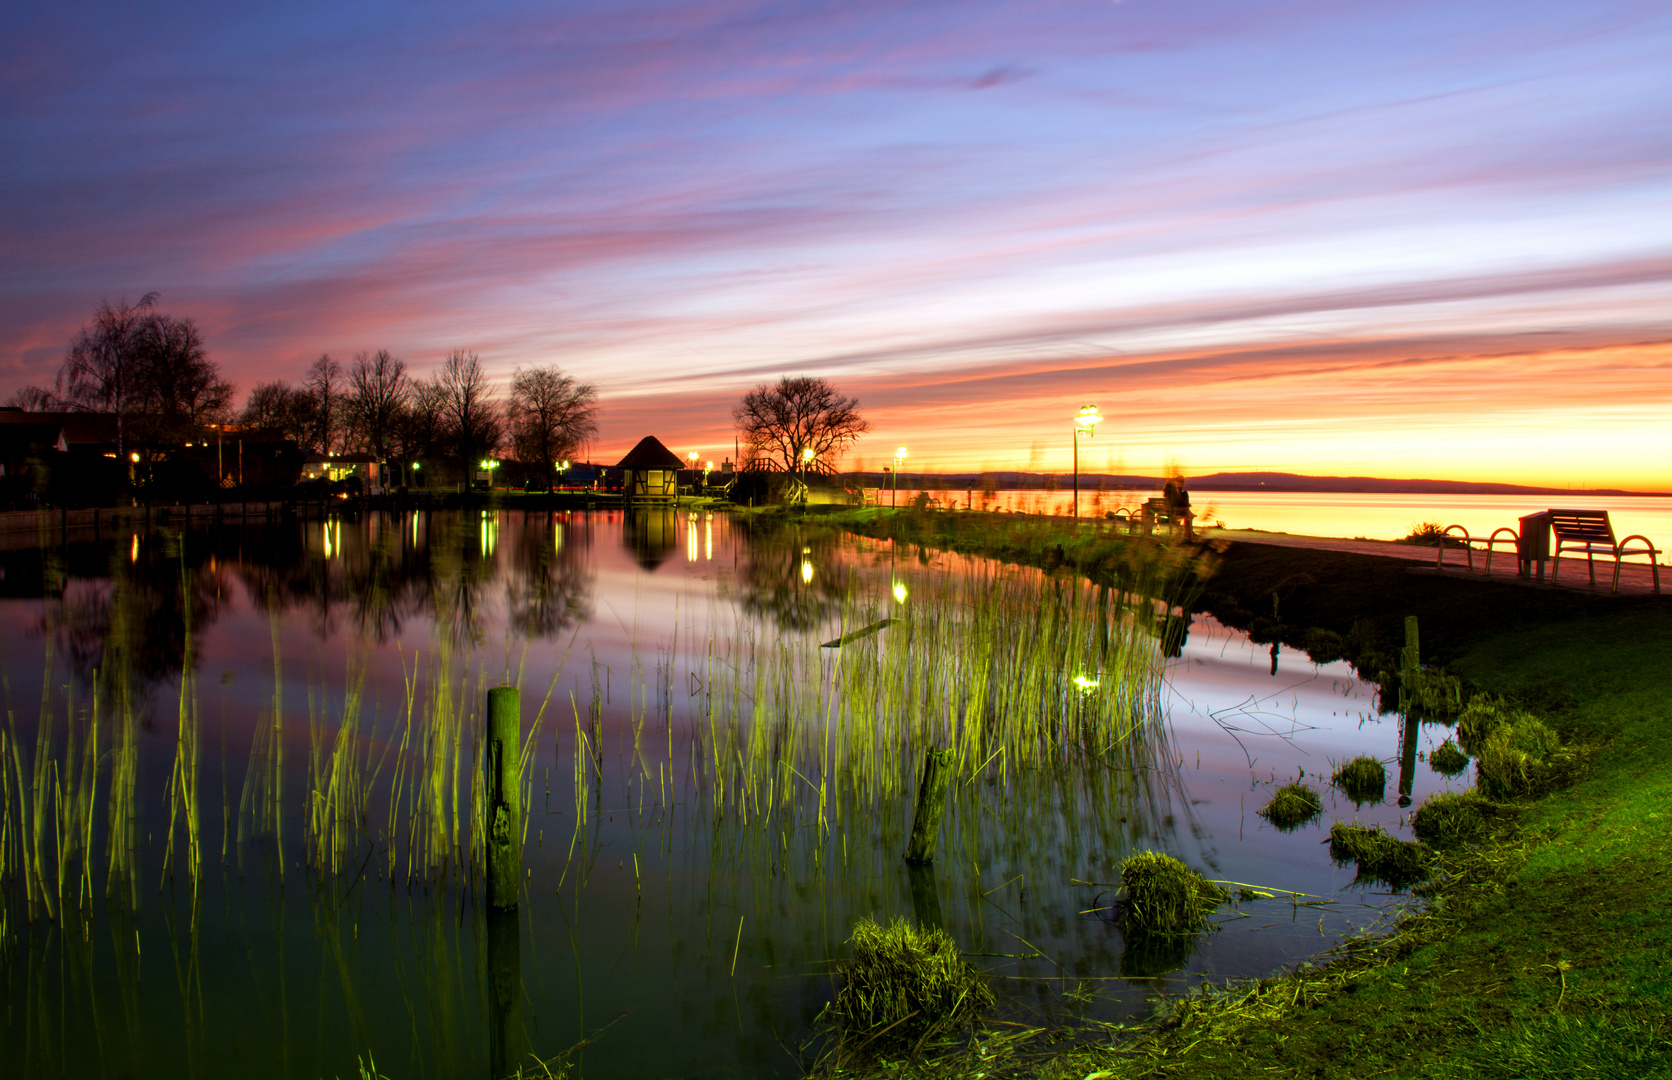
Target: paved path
(1635,575)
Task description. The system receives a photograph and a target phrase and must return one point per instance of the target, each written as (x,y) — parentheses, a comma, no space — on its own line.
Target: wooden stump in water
(505,1028)
(931,800)
(504,797)
(925,895)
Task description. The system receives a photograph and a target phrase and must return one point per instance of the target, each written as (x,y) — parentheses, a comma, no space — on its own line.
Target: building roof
(650,454)
(16,438)
(79,427)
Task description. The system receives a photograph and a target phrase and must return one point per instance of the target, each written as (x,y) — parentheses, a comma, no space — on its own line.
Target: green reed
(1010,668)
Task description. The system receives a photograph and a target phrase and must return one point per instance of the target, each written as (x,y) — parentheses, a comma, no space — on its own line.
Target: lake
(1346,514)
(242,823)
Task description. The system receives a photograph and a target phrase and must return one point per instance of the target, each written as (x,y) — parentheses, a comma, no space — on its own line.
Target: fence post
(504,796)
(931,800)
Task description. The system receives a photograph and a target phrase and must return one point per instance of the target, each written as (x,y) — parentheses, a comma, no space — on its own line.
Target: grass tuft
(1292,806)
(1362,780)
(1164,897)
(1448,759)
(904,982)
(1455,818)
(1522,757)
(1380,857)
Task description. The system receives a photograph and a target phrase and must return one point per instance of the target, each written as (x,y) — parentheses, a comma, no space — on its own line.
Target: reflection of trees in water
(791,576)
(379,573)
(128,629)
(550,584)
(361,570)
(126,607)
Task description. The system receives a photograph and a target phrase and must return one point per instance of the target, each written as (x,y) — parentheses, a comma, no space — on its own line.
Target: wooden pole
(1410,675)
(931,800)
(504,797)
(505,997)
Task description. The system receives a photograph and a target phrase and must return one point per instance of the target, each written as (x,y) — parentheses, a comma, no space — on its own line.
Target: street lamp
(1086,421)
(894,497)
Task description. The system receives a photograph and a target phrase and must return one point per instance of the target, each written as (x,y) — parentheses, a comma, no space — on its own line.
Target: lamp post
(894,497)
(1086,421)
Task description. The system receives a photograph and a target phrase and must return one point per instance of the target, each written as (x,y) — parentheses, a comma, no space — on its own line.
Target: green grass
(1448,760)
(903,983)
(1362,780)
(1292,806)
(1542,948)
(1454,818)
(1164,897)
(1381,858)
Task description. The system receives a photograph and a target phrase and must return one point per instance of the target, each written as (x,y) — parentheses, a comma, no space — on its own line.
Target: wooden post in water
(1410,674)
(925,895)
(505,993)
(504,797)
(931,800)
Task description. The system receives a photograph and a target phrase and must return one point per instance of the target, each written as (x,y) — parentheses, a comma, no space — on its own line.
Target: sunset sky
(1425,239)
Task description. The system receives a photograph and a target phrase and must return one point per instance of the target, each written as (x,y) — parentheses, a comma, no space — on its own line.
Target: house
(365,468)
(27,453)
(650,471)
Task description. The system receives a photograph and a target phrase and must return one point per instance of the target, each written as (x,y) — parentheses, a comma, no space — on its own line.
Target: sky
(1423,239)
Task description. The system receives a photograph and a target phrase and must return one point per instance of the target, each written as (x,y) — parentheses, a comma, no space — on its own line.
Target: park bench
(1468,544)
(1589,531)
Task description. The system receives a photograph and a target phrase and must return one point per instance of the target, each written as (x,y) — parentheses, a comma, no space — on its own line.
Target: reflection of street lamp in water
(1085,421)
(899,456)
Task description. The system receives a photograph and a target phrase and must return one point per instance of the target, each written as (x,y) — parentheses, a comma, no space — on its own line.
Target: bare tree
(181,390)
(279,405)
(552,416)
(422,427)
(378,390)
(779,423)
(470,416)
(100,370)
(324,385)
(36,399)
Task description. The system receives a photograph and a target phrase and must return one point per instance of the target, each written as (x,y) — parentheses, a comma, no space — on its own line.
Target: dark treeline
(152,375)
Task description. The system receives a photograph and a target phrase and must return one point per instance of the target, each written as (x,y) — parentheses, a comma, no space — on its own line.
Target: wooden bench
(1589,531)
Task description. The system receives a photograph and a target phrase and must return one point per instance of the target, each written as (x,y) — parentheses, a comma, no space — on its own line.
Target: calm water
(1368,516)
(692,939)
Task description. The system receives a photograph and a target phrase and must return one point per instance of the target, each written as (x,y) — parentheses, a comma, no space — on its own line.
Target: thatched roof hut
(650,471)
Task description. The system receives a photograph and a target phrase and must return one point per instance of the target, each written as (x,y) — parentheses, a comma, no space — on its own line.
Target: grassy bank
(1543,951)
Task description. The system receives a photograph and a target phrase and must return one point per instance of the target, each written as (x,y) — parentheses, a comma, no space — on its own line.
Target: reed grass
(903,983)
(1010,668)
(1292,806)
(1165,898)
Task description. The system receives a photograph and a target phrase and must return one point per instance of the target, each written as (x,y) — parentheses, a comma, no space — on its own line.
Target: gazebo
(650,471)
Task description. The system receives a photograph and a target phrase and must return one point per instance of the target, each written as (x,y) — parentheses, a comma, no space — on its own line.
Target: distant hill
(1251,481)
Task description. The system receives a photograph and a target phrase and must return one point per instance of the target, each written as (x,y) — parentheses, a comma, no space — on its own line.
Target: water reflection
(651,533)
(711,925)
(781,576)
(126,604)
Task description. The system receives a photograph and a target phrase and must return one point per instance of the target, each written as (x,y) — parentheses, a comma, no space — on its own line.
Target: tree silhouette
(552,416)
(780,423)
